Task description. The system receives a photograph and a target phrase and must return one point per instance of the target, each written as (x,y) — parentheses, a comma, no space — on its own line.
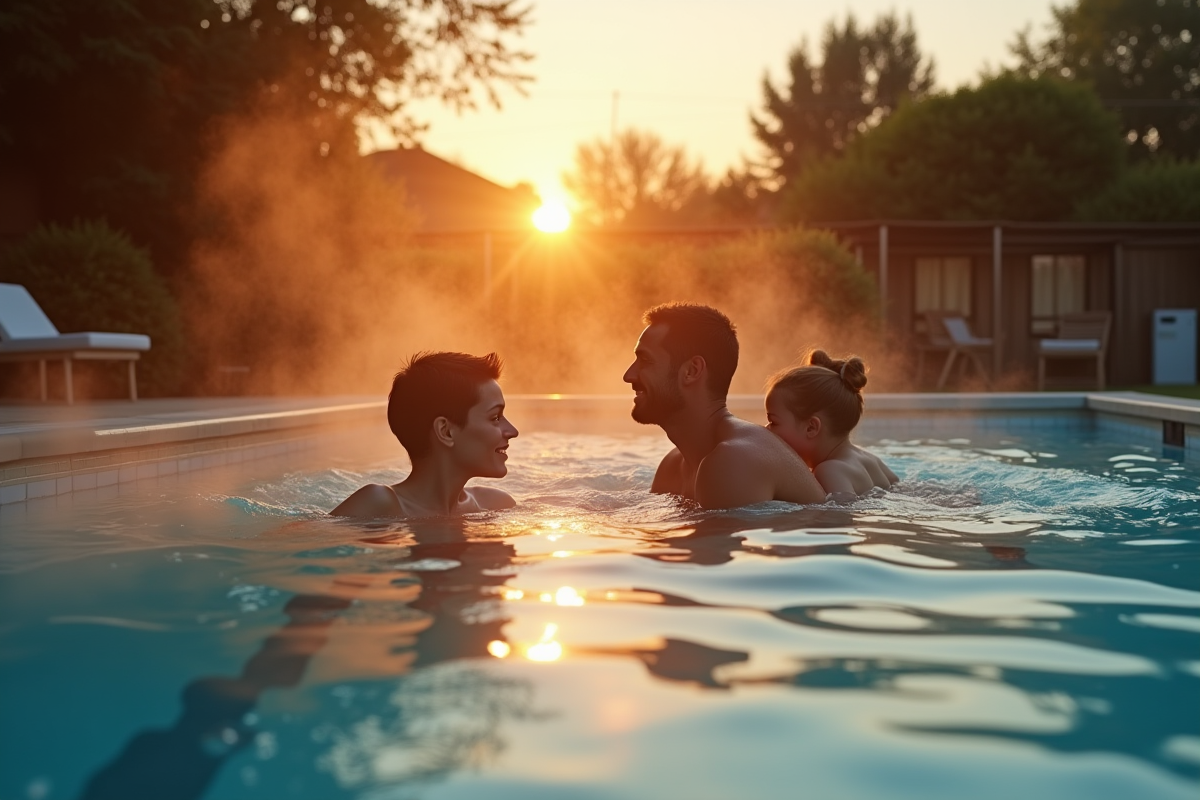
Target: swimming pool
(1023,619)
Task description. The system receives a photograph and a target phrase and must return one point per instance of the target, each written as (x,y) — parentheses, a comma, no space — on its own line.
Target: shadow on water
(181,762)
(1130,715)
(1137,715)
(449,591)
(715,540)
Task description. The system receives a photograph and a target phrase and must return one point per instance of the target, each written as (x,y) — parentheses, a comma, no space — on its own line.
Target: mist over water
(319,284)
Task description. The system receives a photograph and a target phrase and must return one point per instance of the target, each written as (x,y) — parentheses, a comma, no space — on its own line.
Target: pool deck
(48,449)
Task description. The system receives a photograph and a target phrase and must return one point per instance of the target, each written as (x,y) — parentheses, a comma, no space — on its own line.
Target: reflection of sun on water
(567,596)
(547,649)
(552,217)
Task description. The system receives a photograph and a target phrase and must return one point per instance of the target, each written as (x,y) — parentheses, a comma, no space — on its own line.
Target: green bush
(1010,148)
(90,277)
(1158,191)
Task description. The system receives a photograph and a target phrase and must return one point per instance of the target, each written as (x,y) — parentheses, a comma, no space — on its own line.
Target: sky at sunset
(690,70)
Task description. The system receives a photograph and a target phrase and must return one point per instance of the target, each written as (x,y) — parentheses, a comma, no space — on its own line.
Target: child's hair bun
(852,371)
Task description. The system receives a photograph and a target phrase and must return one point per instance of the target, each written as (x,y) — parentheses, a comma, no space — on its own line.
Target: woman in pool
(447,410)
(814,408)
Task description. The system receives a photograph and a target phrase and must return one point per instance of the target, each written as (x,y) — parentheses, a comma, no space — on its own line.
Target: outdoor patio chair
(964,344)
(1080,336)
(934,340)
(27,334)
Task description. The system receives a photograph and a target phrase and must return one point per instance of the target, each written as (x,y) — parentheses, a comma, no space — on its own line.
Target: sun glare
(552,217)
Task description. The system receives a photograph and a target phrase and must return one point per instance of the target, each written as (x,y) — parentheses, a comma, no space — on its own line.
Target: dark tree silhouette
(109,107)
(1141,57)
(864,74)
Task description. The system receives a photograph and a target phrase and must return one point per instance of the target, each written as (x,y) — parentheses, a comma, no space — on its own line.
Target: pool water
(1020,619)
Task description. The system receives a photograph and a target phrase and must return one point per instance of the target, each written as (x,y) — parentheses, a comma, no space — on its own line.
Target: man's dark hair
(696,330)
(433,385)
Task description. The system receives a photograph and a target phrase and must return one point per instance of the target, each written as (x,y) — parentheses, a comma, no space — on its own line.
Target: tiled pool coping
(45,458)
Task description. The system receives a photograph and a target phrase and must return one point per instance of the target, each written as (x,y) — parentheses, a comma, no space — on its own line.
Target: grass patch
(1189,392)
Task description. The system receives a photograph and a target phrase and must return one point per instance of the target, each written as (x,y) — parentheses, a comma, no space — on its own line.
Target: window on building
(943,285)
(1059,287)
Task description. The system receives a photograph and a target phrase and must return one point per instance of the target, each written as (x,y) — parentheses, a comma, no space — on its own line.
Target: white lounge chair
(963,343)
(27,334)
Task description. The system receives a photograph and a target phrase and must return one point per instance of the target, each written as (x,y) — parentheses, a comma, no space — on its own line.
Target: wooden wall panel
(1150,279)
(901,293)
(1018,344)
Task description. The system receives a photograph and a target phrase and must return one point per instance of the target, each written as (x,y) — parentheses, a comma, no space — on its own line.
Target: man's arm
(372,501)
(734,475)
(668,479)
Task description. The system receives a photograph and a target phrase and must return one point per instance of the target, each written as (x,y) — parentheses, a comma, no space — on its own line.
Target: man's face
(481,443)
(656,394)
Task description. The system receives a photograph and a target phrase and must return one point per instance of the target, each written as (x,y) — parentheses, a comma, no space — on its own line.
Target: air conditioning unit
(1174,344)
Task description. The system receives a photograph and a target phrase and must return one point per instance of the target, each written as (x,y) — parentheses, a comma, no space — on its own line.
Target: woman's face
(783,423)
(481,443)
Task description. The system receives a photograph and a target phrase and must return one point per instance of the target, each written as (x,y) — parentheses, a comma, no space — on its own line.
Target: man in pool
(682,368)
(447,410)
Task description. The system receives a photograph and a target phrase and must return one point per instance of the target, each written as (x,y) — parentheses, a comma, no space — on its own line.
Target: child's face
(783,423)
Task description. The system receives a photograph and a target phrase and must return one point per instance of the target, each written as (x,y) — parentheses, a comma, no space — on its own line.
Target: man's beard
(656,407)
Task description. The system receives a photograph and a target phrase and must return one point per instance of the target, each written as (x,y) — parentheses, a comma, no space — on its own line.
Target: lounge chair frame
(1080,336)
(29,335)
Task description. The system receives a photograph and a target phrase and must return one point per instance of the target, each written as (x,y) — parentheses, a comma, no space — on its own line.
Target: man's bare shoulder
(488,498)
(373,501)
(751,457)
(747,440)
(668,478)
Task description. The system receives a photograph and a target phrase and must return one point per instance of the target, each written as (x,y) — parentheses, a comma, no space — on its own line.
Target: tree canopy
(863,75)
(110,107)
(1162,190)
(1012,148)
(1141,57)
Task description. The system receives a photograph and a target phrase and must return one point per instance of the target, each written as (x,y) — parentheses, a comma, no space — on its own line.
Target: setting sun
(552,217)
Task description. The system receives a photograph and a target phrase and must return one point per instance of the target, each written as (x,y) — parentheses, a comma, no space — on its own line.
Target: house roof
(450,199)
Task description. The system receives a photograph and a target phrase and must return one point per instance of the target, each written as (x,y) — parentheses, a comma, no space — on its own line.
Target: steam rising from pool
(316,282)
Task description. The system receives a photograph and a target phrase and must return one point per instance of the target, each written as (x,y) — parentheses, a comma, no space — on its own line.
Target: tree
(109,108)
(1162,190)
(1012,148)
(1140,56)
(863,77)
(638,181)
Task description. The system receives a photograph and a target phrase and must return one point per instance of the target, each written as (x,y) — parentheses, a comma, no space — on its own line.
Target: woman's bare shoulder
(489,498)
(372,501)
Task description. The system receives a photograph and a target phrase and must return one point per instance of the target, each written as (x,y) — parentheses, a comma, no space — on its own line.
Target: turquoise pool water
(1022,620)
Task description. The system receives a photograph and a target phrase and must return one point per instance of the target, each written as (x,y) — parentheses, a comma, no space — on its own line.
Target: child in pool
(814,408)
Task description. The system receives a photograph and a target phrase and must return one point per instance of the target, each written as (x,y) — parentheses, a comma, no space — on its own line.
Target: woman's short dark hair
(433,385)
(828,386)
(696,330)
